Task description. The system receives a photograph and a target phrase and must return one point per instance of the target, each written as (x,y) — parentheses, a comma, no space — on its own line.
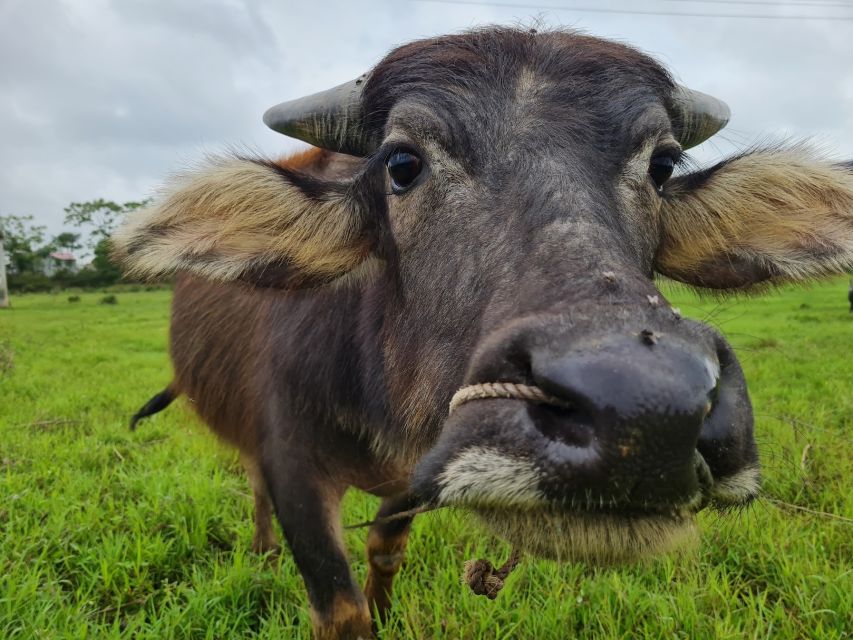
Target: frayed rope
(482,577)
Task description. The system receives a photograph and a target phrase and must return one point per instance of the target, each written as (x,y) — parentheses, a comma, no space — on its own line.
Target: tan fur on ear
(237,217)
(768,215)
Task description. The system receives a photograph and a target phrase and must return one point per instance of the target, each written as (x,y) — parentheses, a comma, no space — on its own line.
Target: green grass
(107,533)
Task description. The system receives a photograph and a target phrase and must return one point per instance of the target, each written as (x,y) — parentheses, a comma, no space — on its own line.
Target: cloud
(102,98)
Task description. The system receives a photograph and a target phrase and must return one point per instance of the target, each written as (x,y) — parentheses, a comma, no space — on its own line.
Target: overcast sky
(104,98)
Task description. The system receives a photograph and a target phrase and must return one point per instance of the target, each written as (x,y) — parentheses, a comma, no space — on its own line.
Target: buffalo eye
(660,169)
(403,167)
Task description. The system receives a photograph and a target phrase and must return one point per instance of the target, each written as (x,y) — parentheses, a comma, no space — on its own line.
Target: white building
(59,261)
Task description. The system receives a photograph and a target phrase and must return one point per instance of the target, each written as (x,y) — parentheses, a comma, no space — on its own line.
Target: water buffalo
(485,212)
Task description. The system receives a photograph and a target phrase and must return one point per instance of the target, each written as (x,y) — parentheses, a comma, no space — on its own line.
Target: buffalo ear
(251,220)
(766,216)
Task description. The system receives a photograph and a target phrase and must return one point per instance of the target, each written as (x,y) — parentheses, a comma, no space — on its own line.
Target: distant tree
(68,241)
(102,263)
(4,287)
(101,216)
(24,242)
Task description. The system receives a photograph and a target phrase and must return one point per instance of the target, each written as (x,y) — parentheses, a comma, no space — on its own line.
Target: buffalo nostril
(645,405)
(721,442)
(703,471)
(569,425)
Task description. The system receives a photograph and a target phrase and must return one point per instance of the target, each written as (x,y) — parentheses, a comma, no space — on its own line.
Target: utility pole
(4,291)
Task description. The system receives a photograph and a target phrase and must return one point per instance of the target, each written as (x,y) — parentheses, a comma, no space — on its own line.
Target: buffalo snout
(643,423)
(640,406)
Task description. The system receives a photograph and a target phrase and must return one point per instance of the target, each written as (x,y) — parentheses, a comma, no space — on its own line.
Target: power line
(769,3)
(636,12)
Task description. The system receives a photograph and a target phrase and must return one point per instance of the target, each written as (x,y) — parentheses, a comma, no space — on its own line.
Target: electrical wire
(769,3)
(683,14)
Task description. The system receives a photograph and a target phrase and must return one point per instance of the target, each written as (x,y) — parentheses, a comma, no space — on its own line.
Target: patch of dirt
(7,358)
(765,343)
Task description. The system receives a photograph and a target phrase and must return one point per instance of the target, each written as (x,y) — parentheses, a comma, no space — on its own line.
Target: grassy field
(106,533)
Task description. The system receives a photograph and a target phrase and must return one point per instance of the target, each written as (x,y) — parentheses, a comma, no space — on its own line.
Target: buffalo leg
(264,539)
(386,548)
(308,508)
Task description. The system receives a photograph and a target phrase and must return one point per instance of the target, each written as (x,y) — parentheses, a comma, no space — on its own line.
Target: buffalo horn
(331,119)
(699,115)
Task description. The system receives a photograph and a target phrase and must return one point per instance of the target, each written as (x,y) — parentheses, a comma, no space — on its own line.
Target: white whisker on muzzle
(485,476)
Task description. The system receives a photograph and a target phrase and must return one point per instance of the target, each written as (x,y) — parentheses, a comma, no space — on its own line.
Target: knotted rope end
(482,577)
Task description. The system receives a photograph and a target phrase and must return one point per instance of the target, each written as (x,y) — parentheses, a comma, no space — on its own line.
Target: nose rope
(508,390)
(481,576)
